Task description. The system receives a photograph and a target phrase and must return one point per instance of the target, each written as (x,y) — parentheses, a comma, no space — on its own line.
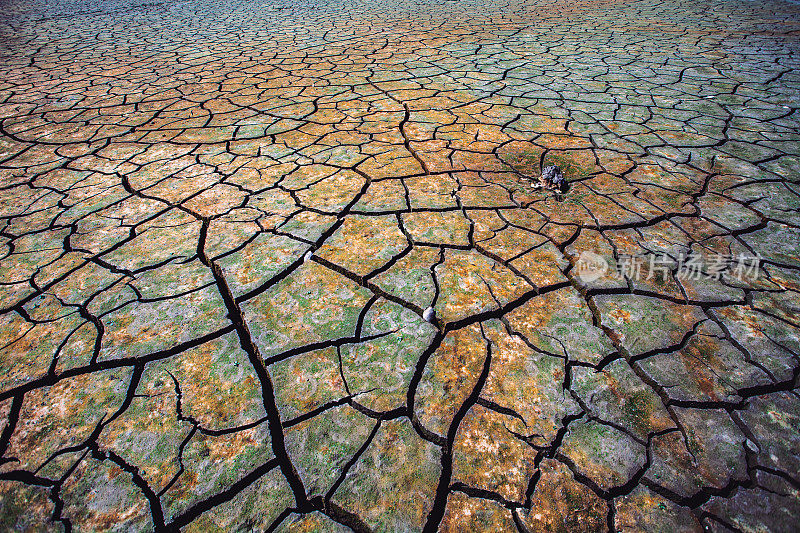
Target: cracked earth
(221,224)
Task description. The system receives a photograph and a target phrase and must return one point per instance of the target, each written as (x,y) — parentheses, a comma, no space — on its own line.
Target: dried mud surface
(221,224)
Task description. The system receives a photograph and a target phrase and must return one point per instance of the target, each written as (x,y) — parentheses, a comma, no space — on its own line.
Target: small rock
(308,256)
(429,315)
(751,446)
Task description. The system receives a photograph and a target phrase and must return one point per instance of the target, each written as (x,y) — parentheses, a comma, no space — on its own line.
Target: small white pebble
(308,256)
(751,446)
(429,314)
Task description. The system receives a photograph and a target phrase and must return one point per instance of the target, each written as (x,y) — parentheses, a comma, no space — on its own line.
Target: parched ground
(221,224)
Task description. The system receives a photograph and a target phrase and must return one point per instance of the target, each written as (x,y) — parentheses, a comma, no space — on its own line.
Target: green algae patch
(313,305)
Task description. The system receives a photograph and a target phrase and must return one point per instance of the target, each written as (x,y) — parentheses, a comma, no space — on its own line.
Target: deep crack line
(269,401)
(444,488)
(407,141)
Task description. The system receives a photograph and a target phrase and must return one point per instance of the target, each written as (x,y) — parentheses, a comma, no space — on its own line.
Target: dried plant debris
(272,267)
(552,178)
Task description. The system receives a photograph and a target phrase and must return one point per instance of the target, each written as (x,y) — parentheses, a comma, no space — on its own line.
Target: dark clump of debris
(552,178)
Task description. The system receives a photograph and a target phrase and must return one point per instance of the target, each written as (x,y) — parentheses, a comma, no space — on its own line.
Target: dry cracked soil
(224,225)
